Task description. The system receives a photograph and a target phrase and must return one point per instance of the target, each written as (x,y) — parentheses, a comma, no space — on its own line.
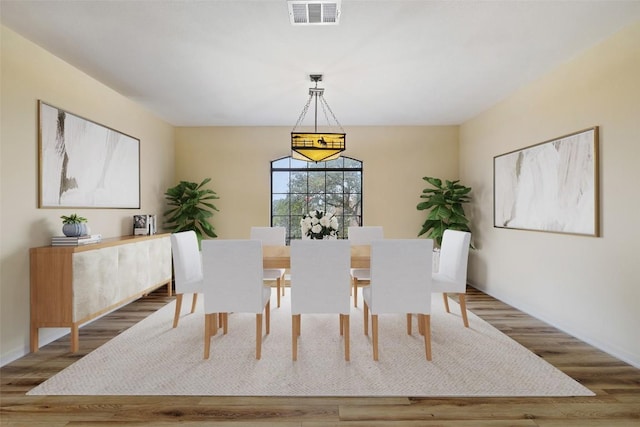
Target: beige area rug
(151,358)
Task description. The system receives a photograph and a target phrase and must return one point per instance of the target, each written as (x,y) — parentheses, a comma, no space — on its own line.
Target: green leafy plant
(446,211)
(73,219)
(190,208)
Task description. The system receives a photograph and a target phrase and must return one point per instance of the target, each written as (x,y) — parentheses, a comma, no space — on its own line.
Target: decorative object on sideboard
(144,225)
(74,225)
(190,208)
(446,211)
(76,241)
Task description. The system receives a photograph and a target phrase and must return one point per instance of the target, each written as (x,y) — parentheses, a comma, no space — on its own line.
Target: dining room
(559,285)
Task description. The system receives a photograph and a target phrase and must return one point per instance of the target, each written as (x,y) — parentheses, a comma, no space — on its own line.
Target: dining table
(280,256)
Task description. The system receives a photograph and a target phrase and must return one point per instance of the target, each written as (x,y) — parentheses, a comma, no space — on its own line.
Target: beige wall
(394,160)
(588,286)
(30,73)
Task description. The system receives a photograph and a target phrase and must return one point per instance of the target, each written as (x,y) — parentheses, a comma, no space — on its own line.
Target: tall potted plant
(190,208)
(446,212)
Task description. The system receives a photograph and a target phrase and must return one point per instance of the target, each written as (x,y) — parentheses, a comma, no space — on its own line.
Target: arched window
(299,187)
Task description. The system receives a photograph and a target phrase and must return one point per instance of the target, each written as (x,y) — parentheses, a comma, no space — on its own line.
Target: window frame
(294,165)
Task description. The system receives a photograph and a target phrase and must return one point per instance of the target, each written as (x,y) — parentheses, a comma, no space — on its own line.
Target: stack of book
(75,241)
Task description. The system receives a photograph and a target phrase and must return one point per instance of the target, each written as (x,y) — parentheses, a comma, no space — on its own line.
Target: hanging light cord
(325,106)
(303,113)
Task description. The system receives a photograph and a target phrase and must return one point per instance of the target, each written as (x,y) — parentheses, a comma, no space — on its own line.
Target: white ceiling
(205,63)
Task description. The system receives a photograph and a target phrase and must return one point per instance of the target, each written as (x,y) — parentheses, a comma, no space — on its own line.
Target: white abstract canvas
(551,186)
(84,164)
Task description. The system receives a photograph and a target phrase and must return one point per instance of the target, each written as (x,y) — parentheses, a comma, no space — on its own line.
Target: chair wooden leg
(210,328)
(194,302)
(258,335)
(295,331)
(374,327)
(345,324)
(176,316)
(207,336)
(463,310)
(223,319)
(341,325)
(267,320)
(355,292)
(446,302)
(408,323)
(278,290)
(366,319)
(425,319)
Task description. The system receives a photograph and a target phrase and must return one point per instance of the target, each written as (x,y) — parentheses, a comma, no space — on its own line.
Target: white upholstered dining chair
(233,282)
(187,267)
(400,283)
(272,236)
(362,236)
(451,276)
(320,283)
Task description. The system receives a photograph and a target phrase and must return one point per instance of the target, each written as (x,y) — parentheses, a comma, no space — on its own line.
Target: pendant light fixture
(317,146)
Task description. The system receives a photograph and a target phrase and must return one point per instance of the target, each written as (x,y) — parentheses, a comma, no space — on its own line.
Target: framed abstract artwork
(551,186)
(84,164)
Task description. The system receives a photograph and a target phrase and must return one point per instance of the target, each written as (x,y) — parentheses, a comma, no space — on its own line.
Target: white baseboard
(45,338)
(618,353)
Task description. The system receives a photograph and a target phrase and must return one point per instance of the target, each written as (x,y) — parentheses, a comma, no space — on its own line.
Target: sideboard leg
(34,339)
(75,338)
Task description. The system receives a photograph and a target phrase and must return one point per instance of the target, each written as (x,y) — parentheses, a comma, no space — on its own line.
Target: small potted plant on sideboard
(74,225)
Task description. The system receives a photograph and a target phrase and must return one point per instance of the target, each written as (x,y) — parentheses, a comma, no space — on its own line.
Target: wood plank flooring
(616,384)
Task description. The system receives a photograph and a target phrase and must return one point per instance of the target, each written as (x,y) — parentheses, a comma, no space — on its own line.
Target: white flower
(334,222)
(318,225)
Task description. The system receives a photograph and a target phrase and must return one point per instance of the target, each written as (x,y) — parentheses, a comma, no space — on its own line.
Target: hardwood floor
(616,384)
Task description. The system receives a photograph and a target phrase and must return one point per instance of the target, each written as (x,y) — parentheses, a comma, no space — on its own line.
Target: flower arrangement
(319,225)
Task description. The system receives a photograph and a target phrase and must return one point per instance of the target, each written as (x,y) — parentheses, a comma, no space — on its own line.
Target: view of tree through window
(299,187)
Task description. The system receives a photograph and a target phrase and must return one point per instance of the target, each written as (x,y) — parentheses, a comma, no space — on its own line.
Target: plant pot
(74,230)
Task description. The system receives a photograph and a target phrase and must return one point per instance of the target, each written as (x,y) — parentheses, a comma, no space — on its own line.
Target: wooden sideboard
(71,285)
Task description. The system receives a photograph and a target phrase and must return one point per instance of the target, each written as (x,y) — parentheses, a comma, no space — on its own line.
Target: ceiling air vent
(316,12)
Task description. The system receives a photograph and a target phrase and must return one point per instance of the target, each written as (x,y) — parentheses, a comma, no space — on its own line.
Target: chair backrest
(232,279)
(269,236)
(320,276)
(454,255)
(187,262)
(401,276)
(365,235)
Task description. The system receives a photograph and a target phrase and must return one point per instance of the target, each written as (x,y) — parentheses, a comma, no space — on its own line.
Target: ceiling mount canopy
(314,12)
(317,146)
